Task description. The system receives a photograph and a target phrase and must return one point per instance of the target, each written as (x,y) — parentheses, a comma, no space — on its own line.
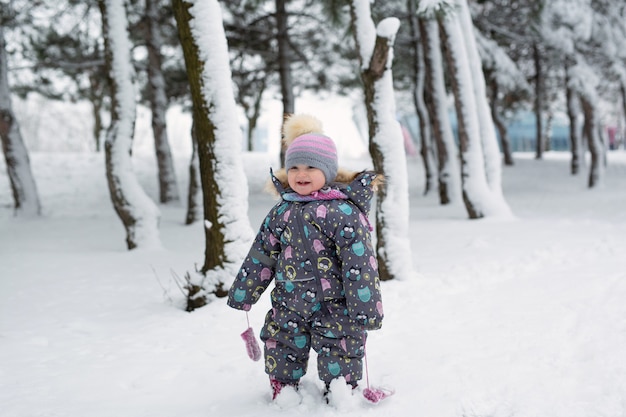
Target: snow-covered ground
(523,317)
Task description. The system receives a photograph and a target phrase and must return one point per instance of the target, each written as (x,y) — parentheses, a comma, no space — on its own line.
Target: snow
(365,30)
(388,27)
(508,76)
(519,317)
(496,317)
(430,7)
(574,21)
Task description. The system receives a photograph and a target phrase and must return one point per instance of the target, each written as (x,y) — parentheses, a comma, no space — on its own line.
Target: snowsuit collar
(358,187)
(326,193)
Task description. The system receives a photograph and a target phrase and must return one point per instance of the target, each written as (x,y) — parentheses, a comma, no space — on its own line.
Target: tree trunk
(168,186)
(590,131)
(435,98)
(574,131)
(538,102)
(96,97)
(205,135)
(227,229)
(386,144)
(250,133)
(547,132)
(501,126)
(137,212)
(487,133)
(25,196)
(474,183)
(426,150)
(623,90)
(573,111)
(194,205)
(480,154)
(284,65)
(253,114)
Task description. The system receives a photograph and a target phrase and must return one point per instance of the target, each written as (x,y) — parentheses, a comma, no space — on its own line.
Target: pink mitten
(374,395)
(252,346)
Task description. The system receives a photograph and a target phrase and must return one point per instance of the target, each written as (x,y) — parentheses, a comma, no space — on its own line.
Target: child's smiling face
(305,179)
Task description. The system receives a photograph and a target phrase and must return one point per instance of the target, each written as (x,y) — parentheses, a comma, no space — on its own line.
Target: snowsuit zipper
(307,255)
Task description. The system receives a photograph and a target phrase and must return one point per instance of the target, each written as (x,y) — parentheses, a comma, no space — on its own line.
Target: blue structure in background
(521,131)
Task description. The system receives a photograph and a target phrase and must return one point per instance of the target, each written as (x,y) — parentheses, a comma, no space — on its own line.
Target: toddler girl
(315,245)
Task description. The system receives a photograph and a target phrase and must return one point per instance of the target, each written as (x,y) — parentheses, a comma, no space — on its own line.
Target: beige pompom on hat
(307,145)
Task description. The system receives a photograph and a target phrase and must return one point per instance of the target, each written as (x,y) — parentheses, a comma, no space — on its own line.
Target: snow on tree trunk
(137,211)
(426,136)
(436,101)
(20,174)
(594,142)
(477,195)
(489,140)
(505,80)
(168,186)
(573,109)
(584,81)
(500,125)
(375,49)
(225,190)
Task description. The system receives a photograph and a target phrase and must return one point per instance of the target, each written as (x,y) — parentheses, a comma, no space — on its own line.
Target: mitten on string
(373,394)
(252,346)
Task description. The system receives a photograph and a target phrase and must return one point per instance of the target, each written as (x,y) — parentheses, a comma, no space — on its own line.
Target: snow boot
(327,392)
(277,386)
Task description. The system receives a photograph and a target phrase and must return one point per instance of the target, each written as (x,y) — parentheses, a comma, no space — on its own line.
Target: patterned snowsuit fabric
(327,291)
(288,339)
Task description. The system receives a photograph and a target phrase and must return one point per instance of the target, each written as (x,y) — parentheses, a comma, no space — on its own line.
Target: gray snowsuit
(318,251)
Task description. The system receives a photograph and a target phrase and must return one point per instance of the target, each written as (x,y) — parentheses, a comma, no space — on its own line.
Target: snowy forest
(487,60)
(137,141)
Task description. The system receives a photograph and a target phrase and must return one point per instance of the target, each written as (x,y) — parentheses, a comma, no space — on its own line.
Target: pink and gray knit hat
(313,150)
(306,145)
